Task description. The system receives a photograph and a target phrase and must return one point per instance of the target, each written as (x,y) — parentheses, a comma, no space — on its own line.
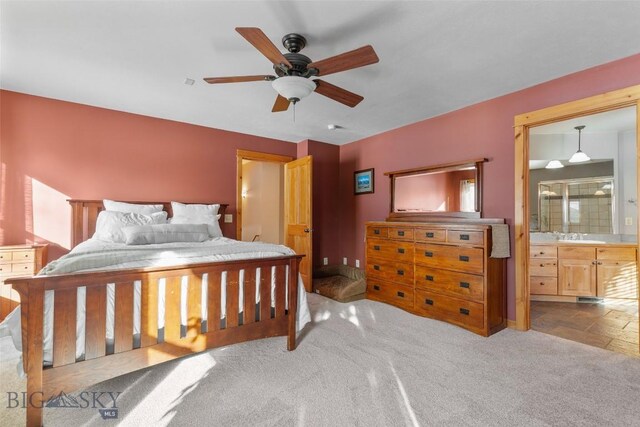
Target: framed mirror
(452,190)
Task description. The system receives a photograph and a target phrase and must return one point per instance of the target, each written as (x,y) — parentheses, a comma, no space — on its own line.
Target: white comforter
(98,255)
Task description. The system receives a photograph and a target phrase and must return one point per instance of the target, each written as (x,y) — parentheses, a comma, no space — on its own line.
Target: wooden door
(297,214)
(577,277)
(617,279)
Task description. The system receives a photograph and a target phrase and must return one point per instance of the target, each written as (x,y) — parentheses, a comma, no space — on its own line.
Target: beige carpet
(369,364)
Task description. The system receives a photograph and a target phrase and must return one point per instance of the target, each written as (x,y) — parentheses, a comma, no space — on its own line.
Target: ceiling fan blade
(336,93)
(237,79)
(260,41)
(346,61)
(281,104)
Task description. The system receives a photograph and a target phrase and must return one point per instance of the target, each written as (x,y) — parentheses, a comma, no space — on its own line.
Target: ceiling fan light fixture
(293,88)
(579,156)
(554,164)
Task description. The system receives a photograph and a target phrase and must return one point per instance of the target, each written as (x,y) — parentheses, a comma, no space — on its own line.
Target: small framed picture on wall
(363,181)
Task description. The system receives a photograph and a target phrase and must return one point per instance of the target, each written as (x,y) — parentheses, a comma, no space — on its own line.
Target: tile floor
(612,324)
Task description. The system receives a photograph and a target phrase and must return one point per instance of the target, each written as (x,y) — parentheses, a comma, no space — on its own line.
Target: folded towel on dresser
(500,237)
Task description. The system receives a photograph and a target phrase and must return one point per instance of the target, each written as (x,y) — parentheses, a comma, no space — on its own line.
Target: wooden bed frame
(66,374)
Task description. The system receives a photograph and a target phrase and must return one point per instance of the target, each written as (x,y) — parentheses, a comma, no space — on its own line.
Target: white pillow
(114,206)
(197,214)
(165,233)
(180,209)
(110,224)
(212,222)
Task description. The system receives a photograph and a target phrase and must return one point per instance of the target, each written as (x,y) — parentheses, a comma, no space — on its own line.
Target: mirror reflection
(582,179)
(451,190)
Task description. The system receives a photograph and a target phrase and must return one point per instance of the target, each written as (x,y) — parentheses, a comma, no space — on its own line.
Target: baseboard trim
(511,324)
(553,298)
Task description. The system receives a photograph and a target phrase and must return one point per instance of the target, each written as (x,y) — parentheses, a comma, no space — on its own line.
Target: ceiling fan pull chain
(294,111)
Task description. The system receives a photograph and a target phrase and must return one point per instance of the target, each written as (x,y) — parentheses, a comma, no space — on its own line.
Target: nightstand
(18,261)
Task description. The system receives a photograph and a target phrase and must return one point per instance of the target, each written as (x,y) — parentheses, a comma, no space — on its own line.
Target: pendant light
(579,156)
(554,164)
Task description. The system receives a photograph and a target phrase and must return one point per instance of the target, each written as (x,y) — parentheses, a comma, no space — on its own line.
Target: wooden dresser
(438,270)
(17,261)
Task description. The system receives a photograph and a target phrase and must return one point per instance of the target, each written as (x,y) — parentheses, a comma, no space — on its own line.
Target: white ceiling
(435,57)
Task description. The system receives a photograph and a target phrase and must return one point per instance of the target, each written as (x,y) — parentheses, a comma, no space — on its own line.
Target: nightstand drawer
(22,267)
(6,256)
(5,268)
(19,256)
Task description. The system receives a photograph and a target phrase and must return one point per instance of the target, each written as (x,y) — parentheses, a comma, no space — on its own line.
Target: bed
(81,328)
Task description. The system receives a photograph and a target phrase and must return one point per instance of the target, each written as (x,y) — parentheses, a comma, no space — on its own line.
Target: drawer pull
(428,301)
(464,285)
(429,234)
(376,287)
(400,233)
(376,231)
(376,248)
(464,237)
(463,258)
(400,250)
(400,272)
(429,278)
(428,254)
(401,294)
(464,311)
(376,267)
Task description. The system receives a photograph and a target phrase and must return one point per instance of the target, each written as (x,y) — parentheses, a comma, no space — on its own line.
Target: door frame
(255,156)
(613,100)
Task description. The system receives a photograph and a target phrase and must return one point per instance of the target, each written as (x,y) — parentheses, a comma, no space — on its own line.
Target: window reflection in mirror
(437,191)
(597,196)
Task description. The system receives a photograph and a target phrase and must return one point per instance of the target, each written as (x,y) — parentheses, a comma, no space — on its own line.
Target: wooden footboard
(266,319)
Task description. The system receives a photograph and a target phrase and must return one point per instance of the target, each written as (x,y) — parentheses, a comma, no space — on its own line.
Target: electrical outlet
(325,261)
(628,221)
(228,218)
(344,260)
(357,263)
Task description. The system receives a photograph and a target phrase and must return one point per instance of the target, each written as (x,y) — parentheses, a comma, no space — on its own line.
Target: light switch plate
(628,221)
(344,260)
(325,261)
(357,263)
(228,218)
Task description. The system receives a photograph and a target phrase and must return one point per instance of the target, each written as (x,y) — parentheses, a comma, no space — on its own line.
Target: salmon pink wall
(325,188)
(53,150)
(480,130)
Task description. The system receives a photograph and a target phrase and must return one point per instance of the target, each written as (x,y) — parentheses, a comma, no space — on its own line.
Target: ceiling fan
(294,70)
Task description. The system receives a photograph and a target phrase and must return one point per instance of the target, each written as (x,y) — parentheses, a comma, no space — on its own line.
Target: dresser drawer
(390,249)
(429,235)
(375,231)
(392,293)
(401,233)
(468,260)
(5,268)
(454,310)
(22,267)
(6,256)
(539,285)
(463,285)
(616,254)
(390,271)
(543,267)
(468,237)
(543,251)
(20,256)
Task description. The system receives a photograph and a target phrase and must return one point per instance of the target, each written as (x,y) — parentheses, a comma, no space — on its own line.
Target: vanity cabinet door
(577,277)
(617,279)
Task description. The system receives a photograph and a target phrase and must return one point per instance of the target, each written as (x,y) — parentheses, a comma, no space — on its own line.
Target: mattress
(96,255)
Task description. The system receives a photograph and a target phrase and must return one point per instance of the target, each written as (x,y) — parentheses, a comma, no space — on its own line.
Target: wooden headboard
(84,214)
